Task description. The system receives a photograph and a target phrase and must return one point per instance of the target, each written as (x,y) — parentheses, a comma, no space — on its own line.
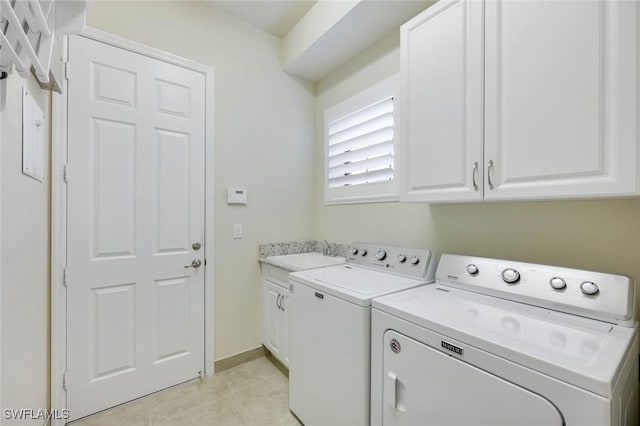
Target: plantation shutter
(360,146)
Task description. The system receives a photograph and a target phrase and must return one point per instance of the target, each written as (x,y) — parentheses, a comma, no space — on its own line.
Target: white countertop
(302,261)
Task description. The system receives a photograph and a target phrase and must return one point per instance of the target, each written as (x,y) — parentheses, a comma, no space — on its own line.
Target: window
(359,147)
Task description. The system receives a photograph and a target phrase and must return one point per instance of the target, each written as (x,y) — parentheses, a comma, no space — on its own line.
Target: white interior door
(423,383)
(135,314)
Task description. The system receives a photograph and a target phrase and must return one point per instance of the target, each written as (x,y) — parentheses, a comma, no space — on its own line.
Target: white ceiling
(277,17)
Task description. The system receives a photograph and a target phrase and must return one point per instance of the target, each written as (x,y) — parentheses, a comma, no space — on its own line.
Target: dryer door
(423,385)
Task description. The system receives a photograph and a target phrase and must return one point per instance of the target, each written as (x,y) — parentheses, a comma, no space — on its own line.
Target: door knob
(195,264)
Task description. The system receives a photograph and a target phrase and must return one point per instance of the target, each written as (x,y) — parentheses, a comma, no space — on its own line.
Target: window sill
(362,200)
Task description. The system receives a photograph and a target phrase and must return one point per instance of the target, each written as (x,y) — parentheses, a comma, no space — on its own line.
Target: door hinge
(65,277)
(67,65)
(66,173)
(64,381)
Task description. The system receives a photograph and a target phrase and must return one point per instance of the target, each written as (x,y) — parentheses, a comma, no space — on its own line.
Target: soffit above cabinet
(332,32)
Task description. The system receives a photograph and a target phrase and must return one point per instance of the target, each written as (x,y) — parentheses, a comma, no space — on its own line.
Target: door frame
(59,135)
(5,83)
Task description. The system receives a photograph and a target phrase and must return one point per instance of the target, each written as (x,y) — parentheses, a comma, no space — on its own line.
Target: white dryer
(330,332)
(495,342)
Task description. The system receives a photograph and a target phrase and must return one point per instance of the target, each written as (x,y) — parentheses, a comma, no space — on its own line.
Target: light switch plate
(237,231)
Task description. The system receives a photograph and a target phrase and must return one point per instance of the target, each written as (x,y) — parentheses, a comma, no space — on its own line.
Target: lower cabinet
(275,324)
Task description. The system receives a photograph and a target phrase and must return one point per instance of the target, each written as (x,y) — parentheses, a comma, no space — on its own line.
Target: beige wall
(263,142)
(25,264)
(601,235)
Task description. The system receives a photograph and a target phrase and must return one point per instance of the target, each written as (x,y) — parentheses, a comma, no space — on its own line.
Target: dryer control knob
(589,288)
(402,258)
(414,260)
(510,276)
(354,251)
(363,252)
(558,283)
(381,254)
(472,269)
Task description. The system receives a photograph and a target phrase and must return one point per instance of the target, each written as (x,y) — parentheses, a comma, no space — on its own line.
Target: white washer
(330,350)
(495,342)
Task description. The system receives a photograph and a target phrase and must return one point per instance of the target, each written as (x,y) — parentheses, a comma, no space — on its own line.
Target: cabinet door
(286,330)
(440,121)
(560,99)
(273,319)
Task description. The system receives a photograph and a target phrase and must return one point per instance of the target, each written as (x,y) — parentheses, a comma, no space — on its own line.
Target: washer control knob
(354,251)
(558,283)
(414,260)
(589,288)
(510,276)
(381,254)
(472,269)
(363,252)
(402,258)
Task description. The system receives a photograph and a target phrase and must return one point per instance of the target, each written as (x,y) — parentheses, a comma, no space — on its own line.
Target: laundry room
(290,212)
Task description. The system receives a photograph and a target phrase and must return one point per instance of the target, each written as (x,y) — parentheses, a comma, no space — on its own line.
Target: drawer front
(276,275)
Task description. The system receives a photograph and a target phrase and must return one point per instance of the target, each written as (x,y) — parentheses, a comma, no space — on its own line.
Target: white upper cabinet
(558,117)
(440,117)
(560,100)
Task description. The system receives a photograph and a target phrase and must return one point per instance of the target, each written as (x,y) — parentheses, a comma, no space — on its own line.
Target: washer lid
(354,284)
(584,352)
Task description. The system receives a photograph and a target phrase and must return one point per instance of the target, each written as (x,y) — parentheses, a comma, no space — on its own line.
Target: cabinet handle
(280,304)
(278,301)
(489,167)
(473,174)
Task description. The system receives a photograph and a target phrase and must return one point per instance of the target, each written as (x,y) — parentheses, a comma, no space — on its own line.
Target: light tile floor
(254,393)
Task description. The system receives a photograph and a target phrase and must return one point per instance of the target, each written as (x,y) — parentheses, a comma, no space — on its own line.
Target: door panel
(113,148)
(173,319)
(135,206)
(173,98)
(424,383)
(114,84)
(172,191)
(113,330)
(560,90)
(441,103)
